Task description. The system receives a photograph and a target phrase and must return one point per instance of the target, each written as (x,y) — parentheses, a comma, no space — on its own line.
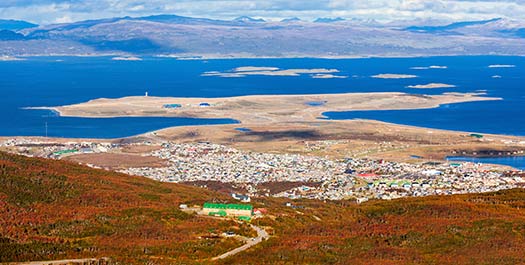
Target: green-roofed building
(222,209)
(475,135)
(64,152)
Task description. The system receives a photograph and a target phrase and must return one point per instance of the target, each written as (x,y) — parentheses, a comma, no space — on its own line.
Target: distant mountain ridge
(10,35)
(15,25)
(328,20)
(452,26)
(496,27)
(293,19)
(254,37)
(249,19)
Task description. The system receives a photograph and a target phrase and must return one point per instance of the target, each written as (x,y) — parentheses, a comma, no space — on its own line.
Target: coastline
(289,118)
(413,140)
(274,119)
(344,138)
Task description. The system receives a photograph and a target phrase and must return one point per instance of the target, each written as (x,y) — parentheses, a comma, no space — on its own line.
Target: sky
(63,11)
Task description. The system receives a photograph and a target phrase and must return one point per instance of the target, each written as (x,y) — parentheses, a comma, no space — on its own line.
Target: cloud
(53,11)
(64,19)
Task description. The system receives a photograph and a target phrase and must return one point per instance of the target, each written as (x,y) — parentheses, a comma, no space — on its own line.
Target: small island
(394,76)
(432,85)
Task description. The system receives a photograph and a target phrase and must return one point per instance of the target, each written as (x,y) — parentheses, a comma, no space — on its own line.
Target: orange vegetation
(57,210)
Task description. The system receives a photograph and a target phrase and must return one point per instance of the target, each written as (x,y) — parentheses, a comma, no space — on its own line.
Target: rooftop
(228,206)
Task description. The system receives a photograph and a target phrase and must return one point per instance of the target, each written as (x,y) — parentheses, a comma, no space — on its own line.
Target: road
(261,235)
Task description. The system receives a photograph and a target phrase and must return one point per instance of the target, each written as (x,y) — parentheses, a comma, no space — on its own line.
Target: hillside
(57,210)
(466,229)
(53,210)
(15,24)
(173,35)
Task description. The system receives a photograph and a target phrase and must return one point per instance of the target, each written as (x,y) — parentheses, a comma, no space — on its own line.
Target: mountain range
(178,36)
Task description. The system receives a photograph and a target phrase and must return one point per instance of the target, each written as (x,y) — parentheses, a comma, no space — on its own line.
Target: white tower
(146,94)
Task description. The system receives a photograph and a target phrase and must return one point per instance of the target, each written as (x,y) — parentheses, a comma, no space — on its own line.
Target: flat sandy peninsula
(260,109)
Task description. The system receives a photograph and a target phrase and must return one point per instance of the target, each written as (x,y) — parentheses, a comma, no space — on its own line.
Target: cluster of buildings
(377,179)
(212,162)
(316,177)
(359,179)
(54,150)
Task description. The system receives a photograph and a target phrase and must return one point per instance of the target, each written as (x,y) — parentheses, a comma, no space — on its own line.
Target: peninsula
(260,109)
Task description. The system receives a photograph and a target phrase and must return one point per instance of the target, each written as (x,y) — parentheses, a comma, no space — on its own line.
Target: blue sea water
(517,162)
(315,103)
(53,81)
(242,129)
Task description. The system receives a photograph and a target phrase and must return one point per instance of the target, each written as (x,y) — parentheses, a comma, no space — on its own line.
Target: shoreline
(235,125)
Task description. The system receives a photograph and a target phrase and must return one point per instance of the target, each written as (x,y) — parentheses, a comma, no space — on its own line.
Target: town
(311,177)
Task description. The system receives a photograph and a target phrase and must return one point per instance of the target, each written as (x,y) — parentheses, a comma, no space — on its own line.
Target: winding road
(261,235)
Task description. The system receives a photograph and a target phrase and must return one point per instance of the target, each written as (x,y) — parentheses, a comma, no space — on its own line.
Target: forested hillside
(57,210)
(466,229)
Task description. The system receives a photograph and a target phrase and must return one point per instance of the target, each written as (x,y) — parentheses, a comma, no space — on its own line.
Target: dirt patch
(140,149)
(118,161)
(277,187)
(227,188)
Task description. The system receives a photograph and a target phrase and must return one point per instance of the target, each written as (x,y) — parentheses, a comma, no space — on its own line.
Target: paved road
(261,235)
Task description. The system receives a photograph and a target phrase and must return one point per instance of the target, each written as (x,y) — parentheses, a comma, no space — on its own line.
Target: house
(86,150)
(361,200)
(432,172)
(204,105)
(349,171)
(475,135)
(260,211)
(240,197)
(368,175)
